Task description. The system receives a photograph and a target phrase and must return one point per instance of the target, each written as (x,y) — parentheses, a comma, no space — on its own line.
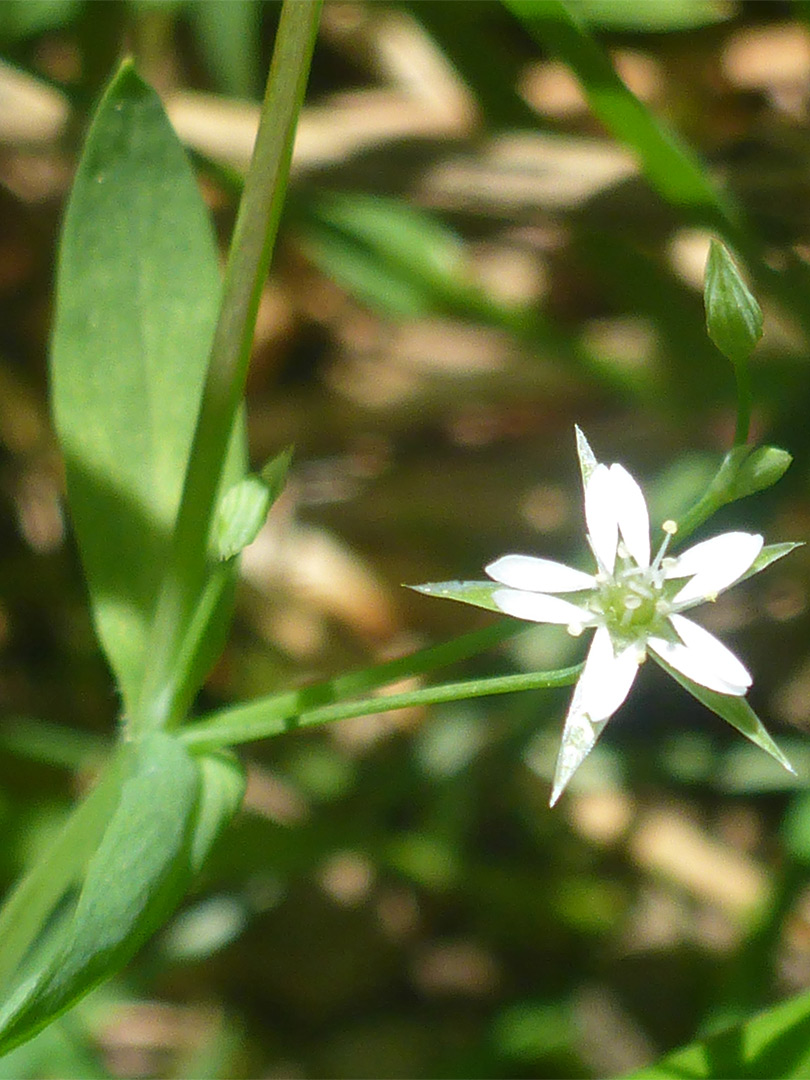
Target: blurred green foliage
(460,281)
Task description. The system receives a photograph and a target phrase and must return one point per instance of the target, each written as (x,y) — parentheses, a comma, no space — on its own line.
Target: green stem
(743,378)
(246,723)
(248,263)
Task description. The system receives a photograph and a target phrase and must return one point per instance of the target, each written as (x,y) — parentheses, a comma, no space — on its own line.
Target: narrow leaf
(137,298)
(135,877)
(774,1043)
(171,808)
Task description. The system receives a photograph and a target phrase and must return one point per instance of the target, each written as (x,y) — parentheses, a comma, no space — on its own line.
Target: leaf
(774,1043)
(654,16)
(137,298)
(171,807)
(734,710)
(477,593)
(229,35)
(394,257)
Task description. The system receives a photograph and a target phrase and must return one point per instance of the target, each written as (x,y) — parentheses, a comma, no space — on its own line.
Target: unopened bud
(733,316)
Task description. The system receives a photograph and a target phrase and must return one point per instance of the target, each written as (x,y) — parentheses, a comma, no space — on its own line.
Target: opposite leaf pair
(634,602)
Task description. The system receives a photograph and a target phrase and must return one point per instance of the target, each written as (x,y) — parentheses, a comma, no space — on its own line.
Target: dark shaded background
(467,267)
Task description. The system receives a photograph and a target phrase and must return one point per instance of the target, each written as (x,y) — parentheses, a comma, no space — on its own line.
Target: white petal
(702,658)
(600,515)
(537,607)
(631,510)
(538,575)
(716,564)
(604,684)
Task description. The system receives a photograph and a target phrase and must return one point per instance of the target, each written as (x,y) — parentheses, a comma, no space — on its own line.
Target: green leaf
(221,794)
(734,710)
(20,19)
(733,316)
(670,166)
(229,34)
(137,298)
(394,257)
(654,16)
(774,1043)
(477,593)
(170,809)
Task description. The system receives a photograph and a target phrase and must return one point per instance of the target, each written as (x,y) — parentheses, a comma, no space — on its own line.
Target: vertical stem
(248,263)
(743,378)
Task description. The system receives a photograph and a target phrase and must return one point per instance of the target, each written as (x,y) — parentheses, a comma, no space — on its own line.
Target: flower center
(633,601)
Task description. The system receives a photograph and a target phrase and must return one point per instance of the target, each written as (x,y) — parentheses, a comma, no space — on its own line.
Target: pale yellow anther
(670,526)
(575,629)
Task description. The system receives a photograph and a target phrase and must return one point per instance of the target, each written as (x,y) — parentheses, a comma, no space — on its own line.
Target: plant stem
(248,263)
(743,378)
(245,723)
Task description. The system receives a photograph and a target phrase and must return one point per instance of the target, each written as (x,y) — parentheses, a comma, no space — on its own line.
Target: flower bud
(733,316)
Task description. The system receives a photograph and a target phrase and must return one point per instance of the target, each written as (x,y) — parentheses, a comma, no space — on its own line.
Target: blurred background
(468,265)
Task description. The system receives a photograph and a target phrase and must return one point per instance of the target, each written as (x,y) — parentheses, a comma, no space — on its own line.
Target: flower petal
(631,511)
(538,575)
(702,658)
(604,684)
(537,607)
(600,515)
(715,563)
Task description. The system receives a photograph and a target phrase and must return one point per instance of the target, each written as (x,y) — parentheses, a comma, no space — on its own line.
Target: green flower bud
(762,468)
(240,516)
(733,317)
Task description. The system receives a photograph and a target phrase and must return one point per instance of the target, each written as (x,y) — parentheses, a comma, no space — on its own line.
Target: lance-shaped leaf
(170,809)
(137,298)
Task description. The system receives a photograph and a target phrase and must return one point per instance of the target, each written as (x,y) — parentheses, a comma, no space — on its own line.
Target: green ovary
(631,606)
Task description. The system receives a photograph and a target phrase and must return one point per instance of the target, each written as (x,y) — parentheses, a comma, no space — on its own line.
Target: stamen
(575,629)
(670,528)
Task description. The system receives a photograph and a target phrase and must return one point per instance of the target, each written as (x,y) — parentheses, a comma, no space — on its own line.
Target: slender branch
(249,260)
(246,723)
(743,378)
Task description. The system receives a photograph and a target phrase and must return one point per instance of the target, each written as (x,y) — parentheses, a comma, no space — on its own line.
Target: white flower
(635,604)
(633,601)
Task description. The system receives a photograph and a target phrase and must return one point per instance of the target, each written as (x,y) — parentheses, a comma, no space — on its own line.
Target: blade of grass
(249,260)
(261,719)
(671,167)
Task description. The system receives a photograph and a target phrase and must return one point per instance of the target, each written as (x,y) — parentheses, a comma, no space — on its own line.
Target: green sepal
(769,554)
(734,710)
(477,593)
(733,316)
